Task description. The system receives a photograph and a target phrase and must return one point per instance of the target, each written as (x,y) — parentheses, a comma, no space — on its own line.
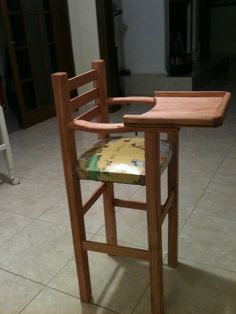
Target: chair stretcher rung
(130,204)
(167,206)
(116,250)
(93,198)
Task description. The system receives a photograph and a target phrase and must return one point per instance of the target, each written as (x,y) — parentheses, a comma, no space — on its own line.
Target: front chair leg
(153,192)
(173,169)
(78,235)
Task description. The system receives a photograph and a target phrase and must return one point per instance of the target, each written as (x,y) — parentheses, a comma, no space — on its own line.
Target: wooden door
(39,43)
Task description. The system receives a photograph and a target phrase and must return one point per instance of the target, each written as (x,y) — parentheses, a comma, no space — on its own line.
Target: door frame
(108,50)
(64,55)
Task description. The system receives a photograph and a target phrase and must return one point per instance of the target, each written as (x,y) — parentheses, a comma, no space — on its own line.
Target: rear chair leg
(109,213)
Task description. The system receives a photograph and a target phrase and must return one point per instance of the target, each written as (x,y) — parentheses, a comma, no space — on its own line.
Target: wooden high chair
(129,160)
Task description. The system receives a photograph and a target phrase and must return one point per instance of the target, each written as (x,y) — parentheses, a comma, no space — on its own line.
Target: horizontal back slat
(82,79)
(84,98)
(90,114)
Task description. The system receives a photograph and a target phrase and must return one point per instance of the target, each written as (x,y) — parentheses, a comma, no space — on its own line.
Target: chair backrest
(67,105)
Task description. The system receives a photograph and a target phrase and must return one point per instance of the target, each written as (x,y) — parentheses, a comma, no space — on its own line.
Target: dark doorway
(38,40)
(108,49)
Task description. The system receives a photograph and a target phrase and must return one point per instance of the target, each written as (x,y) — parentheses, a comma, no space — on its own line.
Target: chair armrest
(130,99)
(95,127)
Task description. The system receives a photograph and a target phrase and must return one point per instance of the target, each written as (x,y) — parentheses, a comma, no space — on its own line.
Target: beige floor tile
(120,190)
(139,194)
(58,214)
(30,198)
(88,187)
(38,252)
(29,158)
(11,224)
(125,191)
(53,302)
(226,175)
(132,228)
(94,218)
(199,159)
(190,191)
(51,173)
(219,200)
(132,224)
(193,288)
(114,281)
(15,292)
(201,167)
(232,152)
(209,240)
(66,280)
(213,135)
(200,149)
(118,282)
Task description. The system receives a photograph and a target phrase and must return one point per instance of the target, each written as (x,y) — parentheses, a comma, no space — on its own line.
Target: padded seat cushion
(120,160)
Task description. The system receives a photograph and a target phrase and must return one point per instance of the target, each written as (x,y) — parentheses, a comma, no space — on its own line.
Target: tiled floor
(37,271)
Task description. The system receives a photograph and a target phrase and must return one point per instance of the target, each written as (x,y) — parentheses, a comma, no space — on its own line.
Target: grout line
(206,187)
(21,276)
(140,298)
(61,269)
(28,303)
(208,265)
(104,308)
(64,292)
(19,232)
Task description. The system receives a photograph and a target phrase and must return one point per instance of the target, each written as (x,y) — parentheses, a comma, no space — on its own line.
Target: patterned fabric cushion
(120,160)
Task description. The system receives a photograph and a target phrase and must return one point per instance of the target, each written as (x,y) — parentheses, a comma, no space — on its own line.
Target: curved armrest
(95,127)
(130,99)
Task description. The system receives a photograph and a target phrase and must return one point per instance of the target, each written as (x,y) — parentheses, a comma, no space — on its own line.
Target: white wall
(144,40)
(84,33)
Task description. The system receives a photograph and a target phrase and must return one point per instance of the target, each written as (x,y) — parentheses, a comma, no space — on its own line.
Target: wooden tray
(176,109)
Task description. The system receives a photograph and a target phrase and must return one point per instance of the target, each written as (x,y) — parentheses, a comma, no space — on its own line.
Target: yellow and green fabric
(119,159)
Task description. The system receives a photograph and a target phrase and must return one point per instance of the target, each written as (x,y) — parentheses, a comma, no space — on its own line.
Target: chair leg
(110,215)
(78,234)
(173,214)
(153,191)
